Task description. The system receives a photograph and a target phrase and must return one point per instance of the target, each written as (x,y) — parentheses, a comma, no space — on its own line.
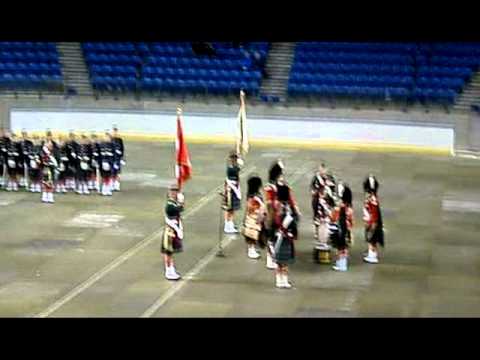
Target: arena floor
(99,257)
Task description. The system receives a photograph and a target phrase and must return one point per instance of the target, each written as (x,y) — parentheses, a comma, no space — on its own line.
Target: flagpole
(177,165)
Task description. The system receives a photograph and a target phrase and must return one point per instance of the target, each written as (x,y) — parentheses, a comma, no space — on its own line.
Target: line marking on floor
(205,260)
(129,253)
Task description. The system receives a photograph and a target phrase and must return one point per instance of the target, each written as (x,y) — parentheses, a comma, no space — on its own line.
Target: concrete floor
(66,260)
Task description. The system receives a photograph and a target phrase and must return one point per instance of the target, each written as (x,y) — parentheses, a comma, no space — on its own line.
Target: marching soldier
(25,148)
(107,153)
(94,181)
(317,190)
(275,178)
(35,165)
(341,228)
(13,158)
(253,227)
(84,169)
(286,233)
(173,233)
(73,163)
(372,216)
(232,193)
(4,144)
(63,164)
(118,159)
(49,164)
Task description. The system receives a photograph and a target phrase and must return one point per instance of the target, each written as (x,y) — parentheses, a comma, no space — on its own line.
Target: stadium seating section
(29,65)
(397,71)
(174,67)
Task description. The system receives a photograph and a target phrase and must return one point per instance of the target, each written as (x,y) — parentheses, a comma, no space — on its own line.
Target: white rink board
(220,125)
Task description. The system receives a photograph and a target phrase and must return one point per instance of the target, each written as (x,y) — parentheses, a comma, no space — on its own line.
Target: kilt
(171,243)
(230,201)
(339,241)
(284,250)
(374,236)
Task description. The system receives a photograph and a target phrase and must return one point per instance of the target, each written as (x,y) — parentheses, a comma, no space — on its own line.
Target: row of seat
(110,59)
(32,79)
(352,80)
(114,82)
(348,47)
(216,87)
(245,45)
(32,72)
(210,74)
(113,70)
(453,61)
(30,66)
(27,46)
(445,83)
(419,94)
(353,58)
(313,67)
(28,56)
(198,62)
(109,47)
(441,71)
(357,91)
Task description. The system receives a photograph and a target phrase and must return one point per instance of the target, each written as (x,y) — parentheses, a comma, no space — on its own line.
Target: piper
(372,216)
(232,194)
(173,233)
(253,227)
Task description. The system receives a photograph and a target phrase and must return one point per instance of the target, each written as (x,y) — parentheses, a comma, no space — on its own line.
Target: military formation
(272,216)
(81,163)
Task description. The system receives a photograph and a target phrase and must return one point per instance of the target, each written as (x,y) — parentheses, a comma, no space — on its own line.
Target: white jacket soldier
(172,239)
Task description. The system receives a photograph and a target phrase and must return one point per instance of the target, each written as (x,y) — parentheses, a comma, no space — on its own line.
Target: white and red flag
(183,167)
(242,143)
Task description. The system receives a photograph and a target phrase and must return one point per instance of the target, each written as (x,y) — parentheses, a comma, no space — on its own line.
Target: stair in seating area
(75,71)
(470,94)
(277,67)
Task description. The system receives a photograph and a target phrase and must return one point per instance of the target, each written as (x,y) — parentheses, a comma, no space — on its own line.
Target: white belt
(177,227)
(235,189)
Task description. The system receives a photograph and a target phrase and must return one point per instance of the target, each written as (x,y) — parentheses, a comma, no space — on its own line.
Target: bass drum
(83,166)
(11,164)
(105,166)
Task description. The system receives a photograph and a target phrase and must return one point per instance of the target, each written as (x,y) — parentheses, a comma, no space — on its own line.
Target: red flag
(183,167)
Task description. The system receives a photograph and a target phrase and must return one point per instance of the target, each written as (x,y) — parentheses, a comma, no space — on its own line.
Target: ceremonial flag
(242,136)
(183,167)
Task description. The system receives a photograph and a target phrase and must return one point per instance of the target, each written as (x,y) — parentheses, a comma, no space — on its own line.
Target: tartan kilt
(171,243)
(284,251)
(338,240)
(374,236)
(230,201)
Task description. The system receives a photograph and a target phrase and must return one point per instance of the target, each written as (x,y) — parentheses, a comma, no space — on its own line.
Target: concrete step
(74,69)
